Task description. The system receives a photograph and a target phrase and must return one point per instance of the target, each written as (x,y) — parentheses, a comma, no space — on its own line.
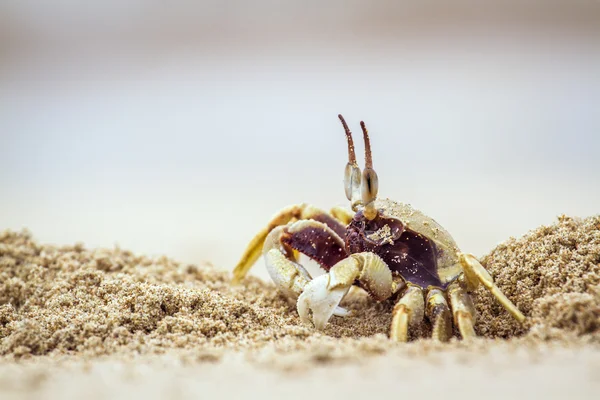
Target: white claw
(341,312)
(321,301)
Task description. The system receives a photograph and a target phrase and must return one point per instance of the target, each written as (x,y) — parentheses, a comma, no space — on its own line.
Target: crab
(389,249)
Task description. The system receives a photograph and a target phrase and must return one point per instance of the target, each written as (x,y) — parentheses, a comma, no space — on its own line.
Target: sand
(72,319)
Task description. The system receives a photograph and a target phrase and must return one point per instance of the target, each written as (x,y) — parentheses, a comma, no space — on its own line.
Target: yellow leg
(466,326)
(342,214)
(475,274)
(439,315)
(409,311)
(289,214)
(462,310)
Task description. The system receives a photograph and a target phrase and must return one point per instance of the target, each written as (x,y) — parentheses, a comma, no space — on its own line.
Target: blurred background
(181,128)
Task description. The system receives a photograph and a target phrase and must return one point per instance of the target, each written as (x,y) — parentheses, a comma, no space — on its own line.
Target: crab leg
(322,295)
(342,214)
(409,311)
(289,214)
(462,310)
(475,273)
(439,315)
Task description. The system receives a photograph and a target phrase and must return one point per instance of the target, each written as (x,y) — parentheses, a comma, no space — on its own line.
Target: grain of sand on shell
(72,311)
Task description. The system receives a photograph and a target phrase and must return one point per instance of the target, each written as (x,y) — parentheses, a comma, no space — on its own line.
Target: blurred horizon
(181,130)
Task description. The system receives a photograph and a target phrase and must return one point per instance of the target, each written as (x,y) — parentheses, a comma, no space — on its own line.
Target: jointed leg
(342,214)
(475,273)
(461,302)
(283,217)
(409,311)
(439,315)
(462,310)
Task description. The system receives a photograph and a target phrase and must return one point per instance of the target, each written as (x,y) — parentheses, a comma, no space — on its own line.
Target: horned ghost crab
(389,249)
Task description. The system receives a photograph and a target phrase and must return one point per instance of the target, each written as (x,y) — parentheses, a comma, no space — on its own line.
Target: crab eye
(370,185)
(352,172)
(351,180)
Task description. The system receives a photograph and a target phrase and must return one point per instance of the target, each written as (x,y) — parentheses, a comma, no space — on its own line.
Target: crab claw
(322,301)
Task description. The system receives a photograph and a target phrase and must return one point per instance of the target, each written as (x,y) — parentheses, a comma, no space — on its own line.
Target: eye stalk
(352,174)
(370,182)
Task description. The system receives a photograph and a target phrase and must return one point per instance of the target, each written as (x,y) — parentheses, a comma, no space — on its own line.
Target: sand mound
(71,300)
(553,275)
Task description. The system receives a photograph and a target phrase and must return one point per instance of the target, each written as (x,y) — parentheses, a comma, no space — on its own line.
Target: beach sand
(101,323)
